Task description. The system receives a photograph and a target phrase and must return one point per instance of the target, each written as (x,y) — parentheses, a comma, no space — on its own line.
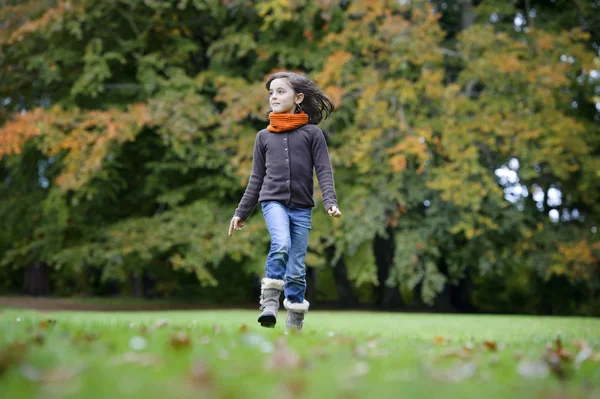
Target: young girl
(285,154)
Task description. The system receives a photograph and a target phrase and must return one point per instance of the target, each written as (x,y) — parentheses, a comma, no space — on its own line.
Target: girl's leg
(278,224)
(295,281)
(295,284)
(277,221)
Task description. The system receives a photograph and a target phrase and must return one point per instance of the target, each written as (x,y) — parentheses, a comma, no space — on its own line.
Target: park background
(465,147)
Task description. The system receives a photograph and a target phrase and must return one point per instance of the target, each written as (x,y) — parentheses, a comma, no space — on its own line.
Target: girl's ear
(299,98)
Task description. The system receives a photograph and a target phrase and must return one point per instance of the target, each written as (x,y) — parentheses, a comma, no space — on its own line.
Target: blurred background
(465,147)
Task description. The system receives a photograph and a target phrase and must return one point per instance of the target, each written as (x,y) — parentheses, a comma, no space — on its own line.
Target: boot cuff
(270,283)
(296,307)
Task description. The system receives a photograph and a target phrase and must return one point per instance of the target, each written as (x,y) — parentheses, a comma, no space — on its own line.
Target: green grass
(226,354)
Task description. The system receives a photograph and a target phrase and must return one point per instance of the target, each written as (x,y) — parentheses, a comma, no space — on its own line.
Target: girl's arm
(324,170)
(250,198)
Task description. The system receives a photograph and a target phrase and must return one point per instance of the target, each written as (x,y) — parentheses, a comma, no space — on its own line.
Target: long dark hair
(316,104)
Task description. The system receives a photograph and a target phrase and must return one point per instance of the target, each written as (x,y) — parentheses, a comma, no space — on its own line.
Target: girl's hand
(334,211)
(236,223)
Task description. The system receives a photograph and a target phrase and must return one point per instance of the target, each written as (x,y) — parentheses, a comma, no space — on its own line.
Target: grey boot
(270,291)
(295,315)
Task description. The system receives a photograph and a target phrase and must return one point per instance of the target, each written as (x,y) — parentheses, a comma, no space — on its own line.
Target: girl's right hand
(236,223)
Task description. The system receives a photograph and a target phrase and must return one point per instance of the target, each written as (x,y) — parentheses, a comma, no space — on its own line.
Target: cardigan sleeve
(250,197)
(323,169)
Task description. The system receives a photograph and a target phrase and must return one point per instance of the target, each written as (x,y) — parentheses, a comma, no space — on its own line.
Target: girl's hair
(316,104)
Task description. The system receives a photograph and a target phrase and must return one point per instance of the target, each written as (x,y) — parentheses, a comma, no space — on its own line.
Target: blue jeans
(289,228)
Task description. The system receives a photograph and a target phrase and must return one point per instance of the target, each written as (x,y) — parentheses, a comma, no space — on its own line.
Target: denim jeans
(289,228)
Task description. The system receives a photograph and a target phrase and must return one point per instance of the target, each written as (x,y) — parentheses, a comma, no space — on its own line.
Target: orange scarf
(285,122)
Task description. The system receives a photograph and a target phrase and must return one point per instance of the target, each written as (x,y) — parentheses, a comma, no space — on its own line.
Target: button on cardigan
(282,170)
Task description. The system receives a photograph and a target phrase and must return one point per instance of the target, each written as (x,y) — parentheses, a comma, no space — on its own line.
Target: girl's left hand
(334,211)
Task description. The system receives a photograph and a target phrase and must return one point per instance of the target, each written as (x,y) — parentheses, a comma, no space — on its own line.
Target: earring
(298,108)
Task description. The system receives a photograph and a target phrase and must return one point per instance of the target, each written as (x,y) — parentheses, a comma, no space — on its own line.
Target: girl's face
(282,97)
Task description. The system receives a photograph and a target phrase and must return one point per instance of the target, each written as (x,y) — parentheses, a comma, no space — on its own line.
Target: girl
(285,154)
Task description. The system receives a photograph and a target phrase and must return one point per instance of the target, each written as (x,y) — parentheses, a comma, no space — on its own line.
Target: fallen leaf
(518,355)
(62,373)
(283,357)
(491,345)
(47,323)
(180,340)
(556,366)
(137,343)
(580,344)
(439,339)
(200,376)
(84,337)
(533,369)
(360,369)
(244,329)
(360,351)
(458,373)
(460,353)
(583,355)
(159,324)
(11,355)
(295,388)
(38,339)
(143,359)
(205,340)
(345,340)
(373,343)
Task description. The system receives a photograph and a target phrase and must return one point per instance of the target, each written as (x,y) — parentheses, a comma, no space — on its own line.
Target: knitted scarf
(285,122)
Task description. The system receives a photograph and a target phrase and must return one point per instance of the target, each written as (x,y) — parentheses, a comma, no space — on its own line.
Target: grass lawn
(226,354)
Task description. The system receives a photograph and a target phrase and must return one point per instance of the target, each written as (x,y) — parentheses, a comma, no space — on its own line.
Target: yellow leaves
(432,82)
(243,100)
(473,225)
(334,67)
(86,136)
(411,145)
(274,13)
(15,133)
(52,14)
(577,252)
(576,260)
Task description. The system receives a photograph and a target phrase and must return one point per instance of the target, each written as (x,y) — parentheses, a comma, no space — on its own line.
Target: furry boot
(295,315)
(270,291)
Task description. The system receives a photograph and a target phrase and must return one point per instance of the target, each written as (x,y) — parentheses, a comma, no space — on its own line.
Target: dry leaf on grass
(438,339)
(159,324)
(143,359)
(181,340)
(294,388)
(47,323)
(491,345)
(200,376)
(58,374)
(11,355)
(283,357)
(459,372)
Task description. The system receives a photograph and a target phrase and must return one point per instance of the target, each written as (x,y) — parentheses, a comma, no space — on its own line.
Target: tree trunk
(137,285)
(386,296)
(346,296)
(460,295)
(35,281)
(467,14)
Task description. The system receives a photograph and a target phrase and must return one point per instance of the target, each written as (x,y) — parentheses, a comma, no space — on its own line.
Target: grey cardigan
(282,170)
